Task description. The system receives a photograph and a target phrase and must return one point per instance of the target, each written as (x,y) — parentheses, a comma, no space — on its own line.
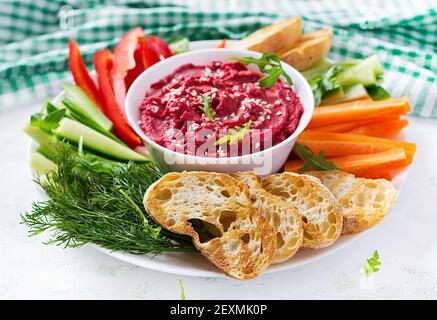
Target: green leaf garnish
(237,135)
(313,161)
(181,286)
(376,92)
(270,64)
(155,231)
(271,79)
(50,107)
(179,45)
(49,122)
(326,83)
(372,264)
(210,113)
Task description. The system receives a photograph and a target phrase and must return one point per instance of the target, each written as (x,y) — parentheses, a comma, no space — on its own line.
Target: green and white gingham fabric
(34,36)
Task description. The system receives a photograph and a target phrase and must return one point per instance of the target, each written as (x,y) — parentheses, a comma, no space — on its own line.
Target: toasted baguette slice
(320,212)
(215,210)
(311,48)
(365,202)
(273,38)
(279,213)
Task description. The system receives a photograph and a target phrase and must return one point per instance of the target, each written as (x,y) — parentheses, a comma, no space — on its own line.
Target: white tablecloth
(405,241)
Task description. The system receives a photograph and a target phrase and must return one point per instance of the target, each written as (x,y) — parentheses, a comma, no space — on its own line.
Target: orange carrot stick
(347,126)
(376,165)
(385,129)
(343,144)
(358,110)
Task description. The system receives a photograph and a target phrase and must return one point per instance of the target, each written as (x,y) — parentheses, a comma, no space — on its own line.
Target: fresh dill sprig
(237,134)
(91,201)
(210,113)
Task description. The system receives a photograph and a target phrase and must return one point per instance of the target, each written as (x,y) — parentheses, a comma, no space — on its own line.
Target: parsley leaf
(49,122)
(372,264)
(179,45)
(325,83)
(377,92)
(237,135)
(210,113)
(154,231)
(313,161)
(269,64)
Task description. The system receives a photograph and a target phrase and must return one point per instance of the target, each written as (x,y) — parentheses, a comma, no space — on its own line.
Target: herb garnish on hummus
(270,64)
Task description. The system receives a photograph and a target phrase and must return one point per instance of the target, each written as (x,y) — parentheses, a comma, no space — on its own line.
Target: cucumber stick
(93,140)
(43,138)
(332,98)
(323,65)
(41,164)
(86,106)
(351,93)
(77,114)
(320,68)
(365,72)
(355,92)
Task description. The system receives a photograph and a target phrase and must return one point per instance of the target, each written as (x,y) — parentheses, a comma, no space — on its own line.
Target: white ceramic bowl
(264,162)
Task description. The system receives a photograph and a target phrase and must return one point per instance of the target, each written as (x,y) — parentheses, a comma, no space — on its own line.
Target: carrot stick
(385,129)
(347,126)
(376,165)
(343,144)
(358,110)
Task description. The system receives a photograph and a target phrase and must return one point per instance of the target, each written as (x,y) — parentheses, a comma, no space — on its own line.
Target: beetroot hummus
(173,112)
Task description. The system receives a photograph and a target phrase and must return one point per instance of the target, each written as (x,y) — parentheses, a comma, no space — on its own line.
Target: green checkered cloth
(34,36)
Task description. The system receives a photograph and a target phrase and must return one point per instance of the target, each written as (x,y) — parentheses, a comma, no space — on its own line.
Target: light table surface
(406,241)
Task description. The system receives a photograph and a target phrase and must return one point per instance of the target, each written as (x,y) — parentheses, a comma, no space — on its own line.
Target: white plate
(193,264)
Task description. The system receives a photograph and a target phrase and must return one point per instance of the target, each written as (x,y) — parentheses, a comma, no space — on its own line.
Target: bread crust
(321,214)
(279,213)
(311,48)
(242,246)
(273,38)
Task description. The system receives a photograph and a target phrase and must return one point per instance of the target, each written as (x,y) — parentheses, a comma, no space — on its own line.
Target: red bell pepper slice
(144,57)
(140,63)
(80,74)
(103,62)
(124,61)
(160,47)
(150,55)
